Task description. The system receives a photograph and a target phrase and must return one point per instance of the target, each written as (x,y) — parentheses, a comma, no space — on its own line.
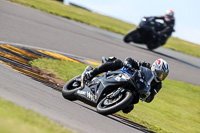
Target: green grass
(104,22)
(175,109)
(15,119)
(183,46)
(62,69)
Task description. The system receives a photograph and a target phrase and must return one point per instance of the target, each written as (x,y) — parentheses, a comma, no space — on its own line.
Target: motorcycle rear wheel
(119,104)
(69,88)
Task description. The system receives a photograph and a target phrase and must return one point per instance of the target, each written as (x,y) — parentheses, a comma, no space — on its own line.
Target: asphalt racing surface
(31,27)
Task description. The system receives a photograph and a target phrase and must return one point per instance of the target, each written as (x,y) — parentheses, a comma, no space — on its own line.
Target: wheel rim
(111,101)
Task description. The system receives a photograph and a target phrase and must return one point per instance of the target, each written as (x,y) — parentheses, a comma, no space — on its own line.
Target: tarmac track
(32,27)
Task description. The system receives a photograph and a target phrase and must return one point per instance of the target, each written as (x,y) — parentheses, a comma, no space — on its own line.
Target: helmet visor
(161,75)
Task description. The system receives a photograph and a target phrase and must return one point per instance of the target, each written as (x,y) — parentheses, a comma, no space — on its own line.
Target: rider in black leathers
(168,26)
(113,64)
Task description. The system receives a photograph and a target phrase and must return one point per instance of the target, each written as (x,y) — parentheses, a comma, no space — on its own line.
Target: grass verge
(104,22)
(15,119)
(175,109)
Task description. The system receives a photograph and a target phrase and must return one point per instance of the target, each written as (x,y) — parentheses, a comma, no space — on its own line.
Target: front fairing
(143,81)
(92,92)
(113,79)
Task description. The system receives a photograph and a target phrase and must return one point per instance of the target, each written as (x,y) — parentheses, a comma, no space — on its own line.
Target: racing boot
(86,75)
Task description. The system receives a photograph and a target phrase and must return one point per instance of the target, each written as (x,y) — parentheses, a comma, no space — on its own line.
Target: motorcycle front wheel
(112,105)
(130,36)
(71,87)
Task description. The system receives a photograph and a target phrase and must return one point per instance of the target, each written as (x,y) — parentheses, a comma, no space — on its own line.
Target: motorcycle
(146,33)
(111,92)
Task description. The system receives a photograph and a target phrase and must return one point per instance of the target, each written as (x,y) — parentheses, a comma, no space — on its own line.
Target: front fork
(116,93)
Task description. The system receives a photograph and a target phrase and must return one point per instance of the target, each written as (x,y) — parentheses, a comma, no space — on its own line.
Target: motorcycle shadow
(118,118)
(140,46)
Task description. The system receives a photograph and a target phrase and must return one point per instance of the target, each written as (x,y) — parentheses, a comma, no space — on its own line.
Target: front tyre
(71,87)
(109,106)
(129,37)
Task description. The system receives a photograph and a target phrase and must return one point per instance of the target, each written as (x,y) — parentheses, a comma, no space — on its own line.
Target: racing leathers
(168,28)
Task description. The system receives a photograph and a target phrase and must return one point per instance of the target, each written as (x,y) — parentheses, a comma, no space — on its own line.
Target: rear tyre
(109,106)
(71,87)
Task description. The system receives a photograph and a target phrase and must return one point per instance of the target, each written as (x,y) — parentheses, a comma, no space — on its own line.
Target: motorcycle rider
(168,26)
(160,69)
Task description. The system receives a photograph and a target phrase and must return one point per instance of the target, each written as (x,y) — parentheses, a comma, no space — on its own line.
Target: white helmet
(169,13)
(160,68)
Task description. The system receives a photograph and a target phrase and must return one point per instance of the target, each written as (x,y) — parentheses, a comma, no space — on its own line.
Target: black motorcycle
(146,33)
(111,92)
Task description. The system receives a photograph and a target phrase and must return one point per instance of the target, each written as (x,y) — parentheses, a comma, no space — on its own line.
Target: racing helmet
(169,15)
(160,68)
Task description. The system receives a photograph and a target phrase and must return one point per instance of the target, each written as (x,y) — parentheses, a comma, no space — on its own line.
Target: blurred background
(187,23)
